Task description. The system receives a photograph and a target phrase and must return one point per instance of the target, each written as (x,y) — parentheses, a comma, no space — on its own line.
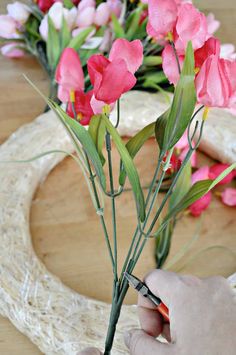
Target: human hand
(202,317)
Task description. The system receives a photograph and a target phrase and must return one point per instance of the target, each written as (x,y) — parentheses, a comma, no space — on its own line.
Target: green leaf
(65,35)
(152,60)
(53,45)
(160,128)
(183,102)
(85,139)
(198,190)
(134,23)
(97,132)
(117,28)
(79,40)
(134,145)
(157,77)
(129,168)
(68,4)
(182,186)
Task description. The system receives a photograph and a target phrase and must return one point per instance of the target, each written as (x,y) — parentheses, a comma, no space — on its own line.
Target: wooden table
(66,233)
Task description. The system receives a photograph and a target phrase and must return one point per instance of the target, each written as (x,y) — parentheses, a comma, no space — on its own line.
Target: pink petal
(211,46)
(200,205)
(169,64)
(9,50)
(193,157)
(162,16)
(201,174)
(8,27)
(212,24)
(131,52)
(183,142)
(116,80)
(115,7)
(85,4)
(97,105)
(82,107)
(217,169)
(228,196)
(102,14)
(97,63)
(69,73)
(19,11)
(212,83)
(191,26)
(86,17)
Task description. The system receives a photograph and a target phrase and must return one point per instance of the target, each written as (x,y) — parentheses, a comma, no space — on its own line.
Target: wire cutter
(145,292)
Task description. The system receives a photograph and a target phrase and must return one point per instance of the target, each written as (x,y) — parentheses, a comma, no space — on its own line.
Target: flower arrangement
(90,82)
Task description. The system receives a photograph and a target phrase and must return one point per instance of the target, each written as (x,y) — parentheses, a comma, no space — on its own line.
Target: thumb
(140,343)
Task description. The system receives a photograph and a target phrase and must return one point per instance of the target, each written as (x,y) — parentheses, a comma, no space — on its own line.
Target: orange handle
(164,311)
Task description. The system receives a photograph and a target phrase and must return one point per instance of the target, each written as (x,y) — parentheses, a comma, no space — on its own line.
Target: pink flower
(114,76)
(115,7)
(191,26)
(10,50)
(213,84)
(169,64)
(8,27)
(201,204)
(162,17)
(19,11)
(102,14)
(217,169)
(45,5)
(82,106)
(85,4)
(86,17)
(212,24)
(228,197)
(211,46)
(131,52)
(69,74)
(56,13)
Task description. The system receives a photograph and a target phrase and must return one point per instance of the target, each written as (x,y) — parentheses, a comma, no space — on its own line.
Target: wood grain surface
(65,230)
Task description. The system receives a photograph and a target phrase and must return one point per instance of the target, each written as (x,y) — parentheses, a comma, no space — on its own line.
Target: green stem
(91,175)
(146,204)
(188,156)
(108,148)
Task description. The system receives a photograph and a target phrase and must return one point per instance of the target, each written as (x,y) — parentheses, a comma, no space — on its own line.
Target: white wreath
(57,319)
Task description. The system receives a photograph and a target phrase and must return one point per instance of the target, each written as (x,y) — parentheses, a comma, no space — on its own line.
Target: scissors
(141,287)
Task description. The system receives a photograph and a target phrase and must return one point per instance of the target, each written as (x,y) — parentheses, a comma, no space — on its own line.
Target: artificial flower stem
(146,204)
(91,176)
(108,148)
(187,158)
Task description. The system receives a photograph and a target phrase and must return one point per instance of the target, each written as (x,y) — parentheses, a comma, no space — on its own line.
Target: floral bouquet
(202,79)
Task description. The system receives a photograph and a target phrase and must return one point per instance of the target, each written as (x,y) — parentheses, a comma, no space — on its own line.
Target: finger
(166,285)
(140,343)
(150,321)
(90,351)
(166,332)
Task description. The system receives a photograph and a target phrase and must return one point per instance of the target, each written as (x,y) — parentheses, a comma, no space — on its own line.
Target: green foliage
(97,132)
(134,144)
(84,138)
(117,28)
(160,128)
(198,190)
(183,103)
(79,40)
(68,4)
(129,166)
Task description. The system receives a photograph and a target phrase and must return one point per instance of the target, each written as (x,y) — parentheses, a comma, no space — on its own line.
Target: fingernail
(127,338)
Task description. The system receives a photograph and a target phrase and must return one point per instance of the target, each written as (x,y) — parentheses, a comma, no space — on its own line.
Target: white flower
(18,11)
